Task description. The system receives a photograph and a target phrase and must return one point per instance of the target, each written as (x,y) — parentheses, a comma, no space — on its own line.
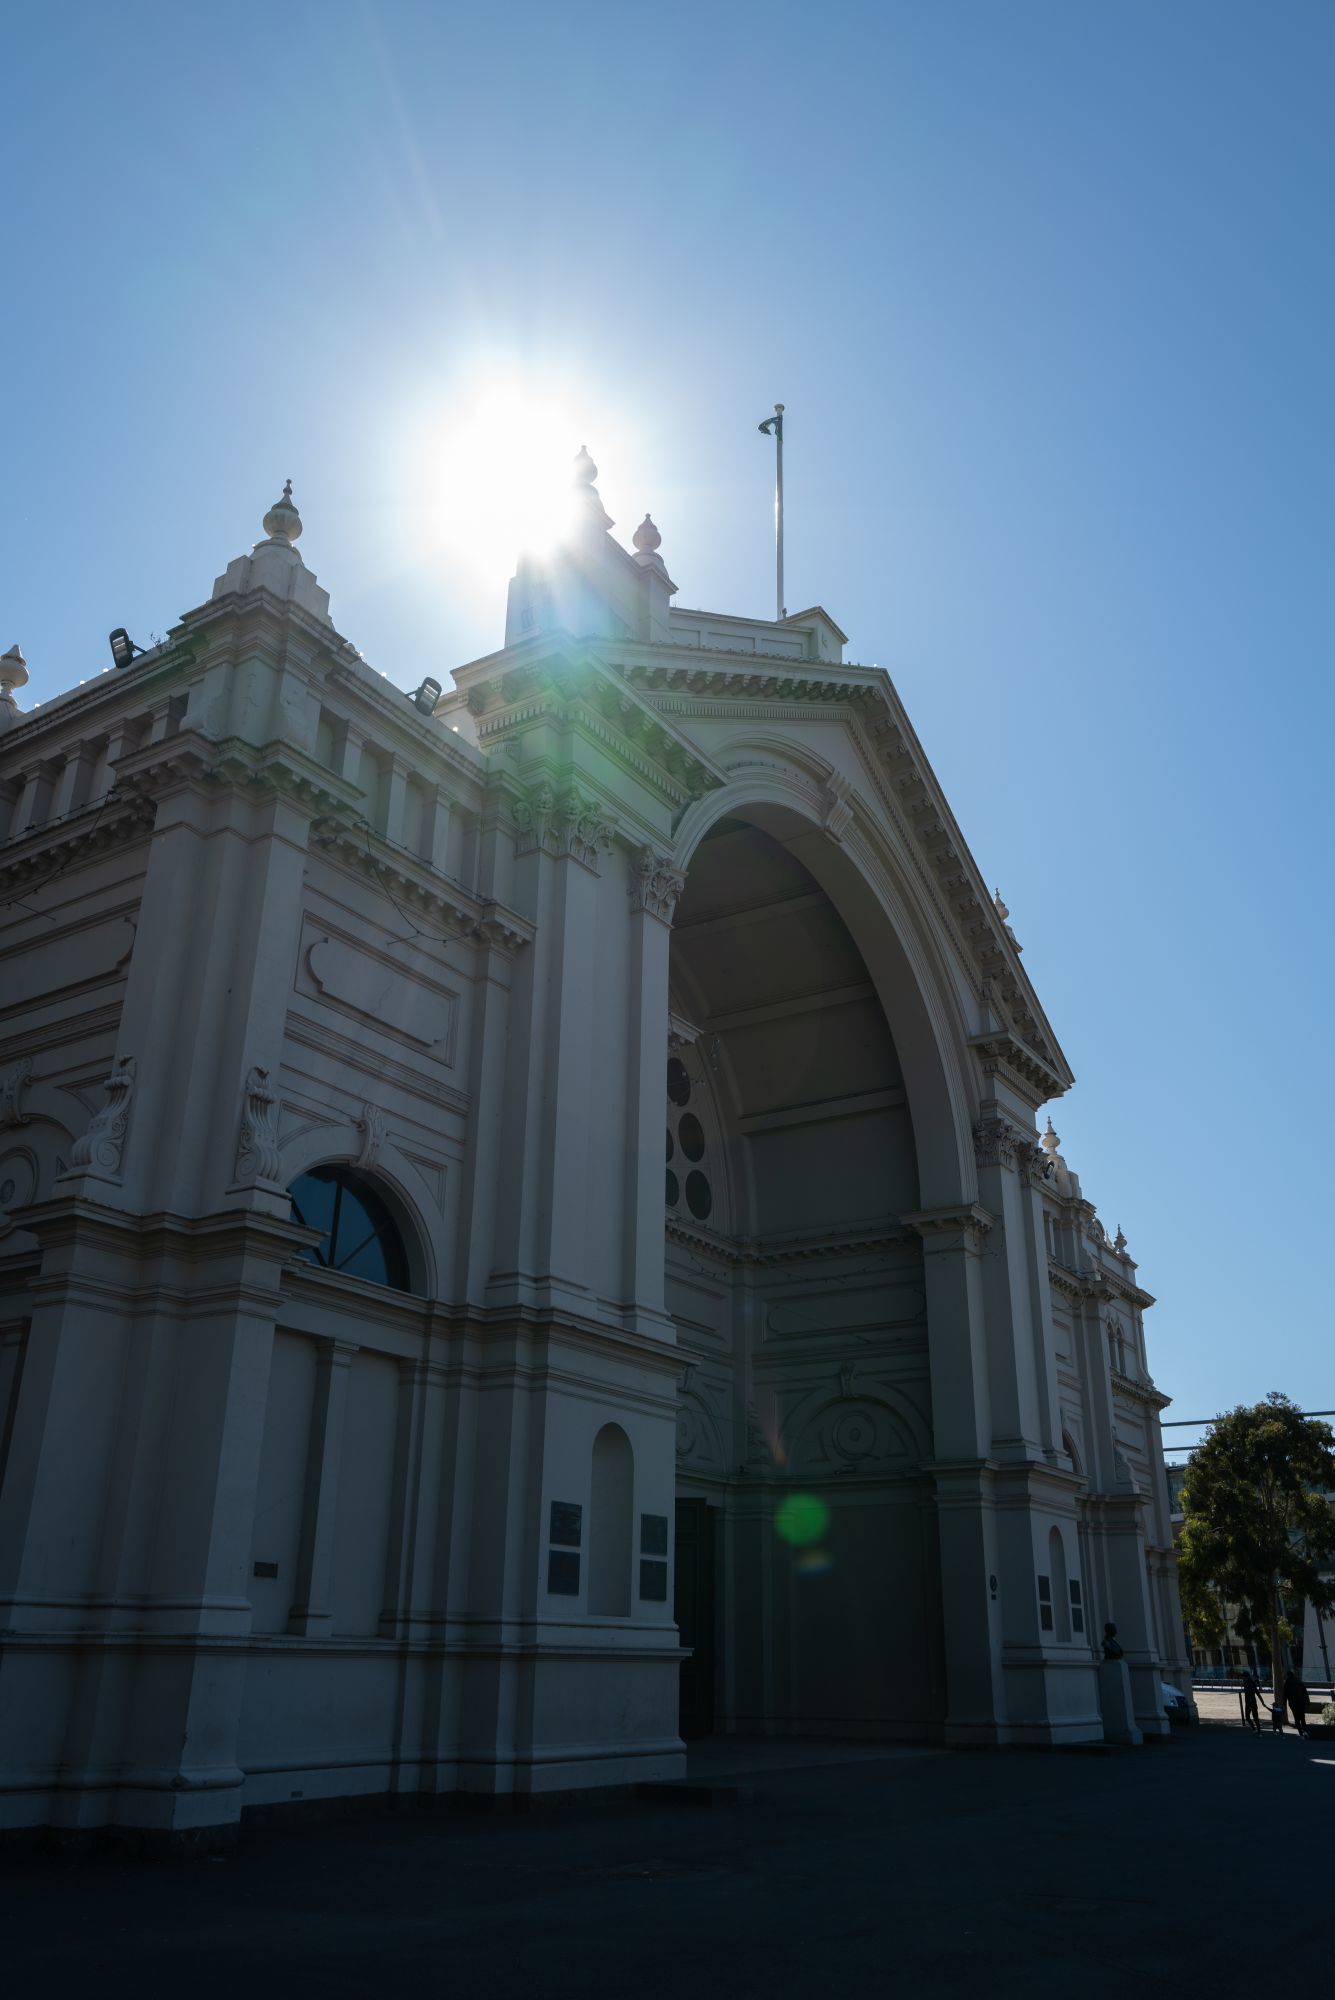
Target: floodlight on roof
(426,696)
(123,648)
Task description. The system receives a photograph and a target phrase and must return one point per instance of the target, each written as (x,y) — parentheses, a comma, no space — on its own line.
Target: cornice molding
(576,688)
(970,1221)
(437,899)
(756,1251)
(119,817)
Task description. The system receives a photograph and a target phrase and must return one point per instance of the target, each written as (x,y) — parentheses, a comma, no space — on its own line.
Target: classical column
(552,1076)
(953,1242)
(654,889)
(312,1608)
(1020,1428)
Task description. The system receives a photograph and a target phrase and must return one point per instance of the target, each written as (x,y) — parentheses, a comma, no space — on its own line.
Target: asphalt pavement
(804,1872)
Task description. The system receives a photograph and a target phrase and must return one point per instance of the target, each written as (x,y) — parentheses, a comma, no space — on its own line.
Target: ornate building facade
(379,1411)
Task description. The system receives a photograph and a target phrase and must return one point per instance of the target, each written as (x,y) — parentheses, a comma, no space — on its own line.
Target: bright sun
(505,472)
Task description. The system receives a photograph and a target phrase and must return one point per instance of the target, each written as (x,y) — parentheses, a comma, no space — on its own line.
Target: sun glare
(505,472)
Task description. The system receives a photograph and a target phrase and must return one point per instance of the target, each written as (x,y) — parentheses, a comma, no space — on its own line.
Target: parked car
(1176,1705)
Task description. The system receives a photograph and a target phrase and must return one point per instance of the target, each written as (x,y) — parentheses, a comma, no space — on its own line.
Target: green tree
(1256,1527)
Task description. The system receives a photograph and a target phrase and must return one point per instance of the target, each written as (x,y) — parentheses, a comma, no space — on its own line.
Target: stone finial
(1119,1241)
(282,523)
(647,538)
(999,906)
(1050,1141)
(588,506)
(13,674)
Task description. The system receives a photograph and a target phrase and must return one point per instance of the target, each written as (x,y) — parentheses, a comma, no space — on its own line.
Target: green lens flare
(801,1520)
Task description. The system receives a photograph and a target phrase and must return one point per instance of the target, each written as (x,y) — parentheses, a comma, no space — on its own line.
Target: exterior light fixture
(426,696)
(123,648)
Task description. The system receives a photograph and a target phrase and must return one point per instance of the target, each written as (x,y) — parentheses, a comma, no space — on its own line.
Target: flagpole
(773,427)
(778,508)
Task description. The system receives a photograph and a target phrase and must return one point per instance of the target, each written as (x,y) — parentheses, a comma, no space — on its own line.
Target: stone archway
(800,1134)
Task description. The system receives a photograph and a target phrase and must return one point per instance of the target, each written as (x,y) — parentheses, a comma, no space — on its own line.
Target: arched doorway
(798,1293)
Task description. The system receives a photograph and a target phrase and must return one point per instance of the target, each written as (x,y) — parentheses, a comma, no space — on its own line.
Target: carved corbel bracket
(257,1156)
(100,1149)
(371,1125)
(837,807)
(12,1086)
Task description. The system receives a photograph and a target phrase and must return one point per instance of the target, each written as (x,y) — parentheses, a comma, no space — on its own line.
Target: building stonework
(366,1425)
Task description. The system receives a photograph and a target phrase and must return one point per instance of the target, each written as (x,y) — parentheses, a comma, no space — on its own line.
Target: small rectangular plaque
(562,1573)
(653,1582)
(653,1534)
(266,1569)
(566,1519)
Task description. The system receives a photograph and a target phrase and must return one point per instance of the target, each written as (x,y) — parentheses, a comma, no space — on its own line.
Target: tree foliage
(1257,1528)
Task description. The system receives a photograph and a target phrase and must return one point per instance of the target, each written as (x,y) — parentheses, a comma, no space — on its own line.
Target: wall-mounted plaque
(562,1573)
(653,1534)
(653,1582)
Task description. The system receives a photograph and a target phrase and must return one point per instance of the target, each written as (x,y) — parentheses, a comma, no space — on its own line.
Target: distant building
(381,1409)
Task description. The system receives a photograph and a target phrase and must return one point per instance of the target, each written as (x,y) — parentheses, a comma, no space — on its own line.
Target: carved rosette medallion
(853,1435)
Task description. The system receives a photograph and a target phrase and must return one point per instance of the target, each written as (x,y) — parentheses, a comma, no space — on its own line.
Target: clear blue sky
(1047,289)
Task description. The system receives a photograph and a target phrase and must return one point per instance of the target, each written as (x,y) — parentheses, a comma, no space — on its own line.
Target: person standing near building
(1251,1689)
(1295,1696)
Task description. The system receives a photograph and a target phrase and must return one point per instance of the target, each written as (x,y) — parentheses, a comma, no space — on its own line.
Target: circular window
(679,1084)
(673,1191)
(359,1235)
(691,1133)
(698,1197)
(671,1148)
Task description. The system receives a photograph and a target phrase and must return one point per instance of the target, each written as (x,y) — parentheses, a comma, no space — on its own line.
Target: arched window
(359,1235)
(611,1506)
(1061,1601)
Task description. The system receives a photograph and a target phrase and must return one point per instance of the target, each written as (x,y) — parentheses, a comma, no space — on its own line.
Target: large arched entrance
(806,1551)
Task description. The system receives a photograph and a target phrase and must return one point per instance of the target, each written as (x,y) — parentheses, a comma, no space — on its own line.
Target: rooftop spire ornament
(282,523)
(589,507)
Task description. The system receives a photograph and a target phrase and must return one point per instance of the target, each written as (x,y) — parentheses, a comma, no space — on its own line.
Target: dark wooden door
(694,1609)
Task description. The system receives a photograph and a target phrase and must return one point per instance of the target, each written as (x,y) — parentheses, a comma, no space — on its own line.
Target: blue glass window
(358,1233)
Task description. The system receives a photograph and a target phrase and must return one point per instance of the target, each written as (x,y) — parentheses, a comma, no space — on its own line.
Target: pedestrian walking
(1295,1696)
(1251,1689)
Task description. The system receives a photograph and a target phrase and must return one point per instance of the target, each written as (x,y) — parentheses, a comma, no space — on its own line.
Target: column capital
(655,884)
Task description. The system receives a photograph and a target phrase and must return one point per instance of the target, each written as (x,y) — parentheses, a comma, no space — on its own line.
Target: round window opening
(691,1135)
(671,1148)
(698,1197)
(678,1083)
(673,1191)
(359,1236)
